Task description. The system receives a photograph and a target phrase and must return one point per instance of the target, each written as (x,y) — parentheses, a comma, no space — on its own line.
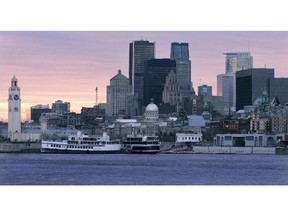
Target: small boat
(138,143)
(282,147)
(82,143)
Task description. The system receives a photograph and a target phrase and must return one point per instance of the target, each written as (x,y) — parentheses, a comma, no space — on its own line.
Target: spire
(14,81)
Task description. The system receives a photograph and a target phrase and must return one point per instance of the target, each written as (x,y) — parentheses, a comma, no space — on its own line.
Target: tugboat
(82,143)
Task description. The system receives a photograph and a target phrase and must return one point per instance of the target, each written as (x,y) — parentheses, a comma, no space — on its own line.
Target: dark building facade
(180,53)
(37,110)
(139,53)
(279,89)
(250,84)
(155,78)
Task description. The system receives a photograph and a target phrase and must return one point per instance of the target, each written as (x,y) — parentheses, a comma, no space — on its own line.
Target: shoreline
(165,149)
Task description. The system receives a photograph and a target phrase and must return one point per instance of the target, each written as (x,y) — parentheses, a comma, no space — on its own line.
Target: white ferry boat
(141,144)
(81,143)
(188,138)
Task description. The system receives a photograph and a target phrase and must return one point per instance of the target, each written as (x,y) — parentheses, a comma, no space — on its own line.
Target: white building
(14,111)
(247,140)
(151,112)
(171,93)
(14,116)
(118,93)
(182,138)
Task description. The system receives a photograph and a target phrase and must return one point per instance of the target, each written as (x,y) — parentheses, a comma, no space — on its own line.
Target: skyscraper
(226,83)
(155,78)
(139,53)
(180,53)
(225,89)
(236,61)
(117,94)
(250,85)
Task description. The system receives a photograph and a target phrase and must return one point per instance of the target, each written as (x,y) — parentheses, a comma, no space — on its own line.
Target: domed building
(151,112)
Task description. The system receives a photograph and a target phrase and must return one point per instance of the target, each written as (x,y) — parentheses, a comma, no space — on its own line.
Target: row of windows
(72,146)
(190,138)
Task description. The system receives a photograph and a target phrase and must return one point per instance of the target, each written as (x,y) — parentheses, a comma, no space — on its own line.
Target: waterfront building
(188,138)
(60,107)
(37,110)
(250,83)
(171,93)
(247,140)
(117,95)
(155,78)
(139,53)
(180,53)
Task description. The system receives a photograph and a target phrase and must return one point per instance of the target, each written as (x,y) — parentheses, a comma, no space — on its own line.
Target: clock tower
(14,111)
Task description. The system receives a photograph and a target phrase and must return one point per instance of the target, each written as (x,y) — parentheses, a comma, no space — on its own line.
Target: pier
(27,147)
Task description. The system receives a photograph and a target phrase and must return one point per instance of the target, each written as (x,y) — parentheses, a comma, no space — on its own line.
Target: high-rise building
(236,61)
(226,83)
(206,92)
(155,78)
(117,95)
(278,88)
(37,110)
(250,84)
(225,89)
(60,107)
(171,93)
(139,53)
(180,53)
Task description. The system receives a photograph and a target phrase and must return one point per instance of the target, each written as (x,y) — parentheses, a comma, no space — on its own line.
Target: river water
(130,169)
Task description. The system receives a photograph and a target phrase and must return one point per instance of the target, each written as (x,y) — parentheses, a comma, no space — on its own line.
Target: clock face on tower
(16,97)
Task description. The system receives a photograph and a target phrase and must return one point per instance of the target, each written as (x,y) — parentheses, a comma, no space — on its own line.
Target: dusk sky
(68,65)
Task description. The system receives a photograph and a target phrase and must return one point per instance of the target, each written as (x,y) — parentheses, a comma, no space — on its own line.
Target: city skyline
(69,66)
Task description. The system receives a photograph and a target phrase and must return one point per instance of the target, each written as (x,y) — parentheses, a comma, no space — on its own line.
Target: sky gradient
(68,65)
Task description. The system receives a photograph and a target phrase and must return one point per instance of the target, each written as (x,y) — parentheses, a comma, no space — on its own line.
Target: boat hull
(60,151)
(142,149)
(65,148)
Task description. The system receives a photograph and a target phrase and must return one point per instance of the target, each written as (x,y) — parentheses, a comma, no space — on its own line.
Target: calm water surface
(126,169)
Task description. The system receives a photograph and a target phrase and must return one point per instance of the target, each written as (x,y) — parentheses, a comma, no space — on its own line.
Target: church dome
(151,112)
(151,107)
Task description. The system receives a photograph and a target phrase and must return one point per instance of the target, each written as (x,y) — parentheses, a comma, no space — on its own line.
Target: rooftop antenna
(249,45)
(96,95)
